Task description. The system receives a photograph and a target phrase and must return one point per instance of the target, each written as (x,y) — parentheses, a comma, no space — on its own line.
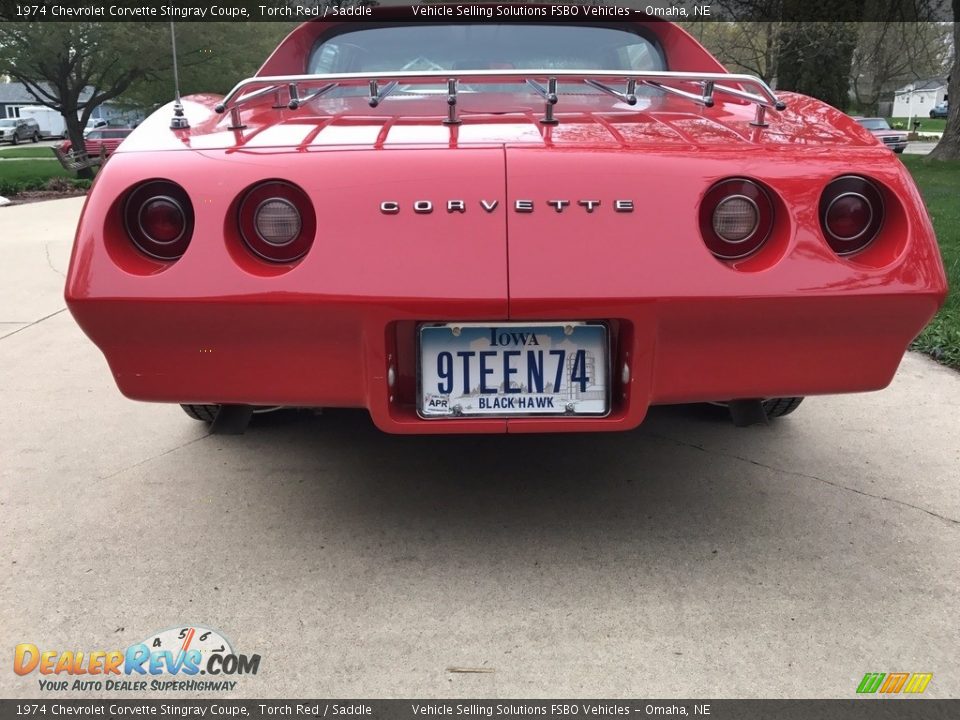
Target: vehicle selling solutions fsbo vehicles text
(488,11)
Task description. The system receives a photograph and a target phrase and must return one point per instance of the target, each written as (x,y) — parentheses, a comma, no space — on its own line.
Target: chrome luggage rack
(301,89)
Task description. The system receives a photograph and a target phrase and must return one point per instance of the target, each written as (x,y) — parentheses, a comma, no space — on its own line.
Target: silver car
(15,130)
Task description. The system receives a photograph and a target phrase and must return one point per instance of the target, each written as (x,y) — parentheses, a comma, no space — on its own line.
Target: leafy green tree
(73,67)
(212,57)
(60,63)
(815,59)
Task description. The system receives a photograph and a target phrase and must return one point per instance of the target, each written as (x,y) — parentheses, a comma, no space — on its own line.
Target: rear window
(362,48)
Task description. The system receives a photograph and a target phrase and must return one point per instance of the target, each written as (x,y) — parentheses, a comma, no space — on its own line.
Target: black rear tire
(778,407)
(36,137)
(203,413)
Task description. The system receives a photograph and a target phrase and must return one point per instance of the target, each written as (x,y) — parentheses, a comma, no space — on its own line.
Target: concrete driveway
(920,148)
(688,558)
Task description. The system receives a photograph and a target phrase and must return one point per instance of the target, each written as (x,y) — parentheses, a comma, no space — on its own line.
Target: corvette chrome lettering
(425,207)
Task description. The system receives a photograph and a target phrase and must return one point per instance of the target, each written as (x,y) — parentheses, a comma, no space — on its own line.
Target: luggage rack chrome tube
(753,89)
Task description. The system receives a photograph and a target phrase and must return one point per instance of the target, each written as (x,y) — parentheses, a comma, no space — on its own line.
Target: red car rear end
(501,250)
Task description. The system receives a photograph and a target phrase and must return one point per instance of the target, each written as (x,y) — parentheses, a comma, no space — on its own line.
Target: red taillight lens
(851,214)
(158,217)
(736,218)
(162,220)
(277,221)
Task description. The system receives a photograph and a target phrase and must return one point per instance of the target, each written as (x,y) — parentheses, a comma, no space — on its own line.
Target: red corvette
(473,227)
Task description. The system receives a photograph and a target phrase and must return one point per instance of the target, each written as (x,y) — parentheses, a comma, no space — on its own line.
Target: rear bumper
(320,352)
(220,326)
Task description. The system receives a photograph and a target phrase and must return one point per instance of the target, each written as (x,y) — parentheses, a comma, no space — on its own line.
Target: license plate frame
(586,399)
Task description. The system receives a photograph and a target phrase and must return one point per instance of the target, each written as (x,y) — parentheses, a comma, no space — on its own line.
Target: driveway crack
(35,322)
(154,457)
(46,250)
(831,483)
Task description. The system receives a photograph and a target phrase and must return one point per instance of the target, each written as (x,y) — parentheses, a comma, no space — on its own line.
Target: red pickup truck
(896,140)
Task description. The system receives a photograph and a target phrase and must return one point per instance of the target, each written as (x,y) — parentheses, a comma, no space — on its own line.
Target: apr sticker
(175,659)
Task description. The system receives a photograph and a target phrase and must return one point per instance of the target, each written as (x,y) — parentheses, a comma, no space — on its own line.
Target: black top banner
(372,10)
(861,709)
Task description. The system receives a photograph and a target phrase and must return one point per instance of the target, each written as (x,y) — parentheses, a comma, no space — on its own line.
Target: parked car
(105,137)
(482,227)
(93,124)
(16,130)
(939,110)
(896,140)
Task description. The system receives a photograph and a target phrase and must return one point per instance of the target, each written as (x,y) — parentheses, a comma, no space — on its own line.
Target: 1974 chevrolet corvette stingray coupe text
(501,227)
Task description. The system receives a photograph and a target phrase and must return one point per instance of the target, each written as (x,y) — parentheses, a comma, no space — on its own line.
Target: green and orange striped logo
(892,683)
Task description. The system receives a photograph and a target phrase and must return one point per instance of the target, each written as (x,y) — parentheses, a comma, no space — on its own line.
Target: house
(14,96)
(917,98)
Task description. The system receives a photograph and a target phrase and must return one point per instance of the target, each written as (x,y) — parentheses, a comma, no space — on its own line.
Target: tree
(748,47)
(891,54)
(949,146)
(212,57)
(815,59)
(744,36)
(73,67)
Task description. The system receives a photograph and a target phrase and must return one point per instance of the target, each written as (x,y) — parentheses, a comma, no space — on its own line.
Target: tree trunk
(949,146)
(75,133)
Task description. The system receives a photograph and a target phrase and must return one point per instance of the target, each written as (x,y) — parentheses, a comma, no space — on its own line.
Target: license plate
(512,369)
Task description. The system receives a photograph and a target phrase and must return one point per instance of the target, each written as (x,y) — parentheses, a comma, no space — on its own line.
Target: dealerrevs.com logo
(186,658)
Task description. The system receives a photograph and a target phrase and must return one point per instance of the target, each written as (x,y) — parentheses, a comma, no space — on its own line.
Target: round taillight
(736,218)
(851,214)
(162,220)
(277,221)
(158,217)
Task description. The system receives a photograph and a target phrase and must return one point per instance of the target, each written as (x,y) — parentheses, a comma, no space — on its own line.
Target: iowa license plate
(512,369)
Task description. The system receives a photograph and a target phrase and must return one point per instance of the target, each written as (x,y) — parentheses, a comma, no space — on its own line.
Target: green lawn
(939,183)
(927,124)
(27,152)
(19,175)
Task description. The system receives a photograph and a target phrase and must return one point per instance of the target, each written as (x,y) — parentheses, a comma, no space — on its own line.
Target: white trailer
(50,121)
